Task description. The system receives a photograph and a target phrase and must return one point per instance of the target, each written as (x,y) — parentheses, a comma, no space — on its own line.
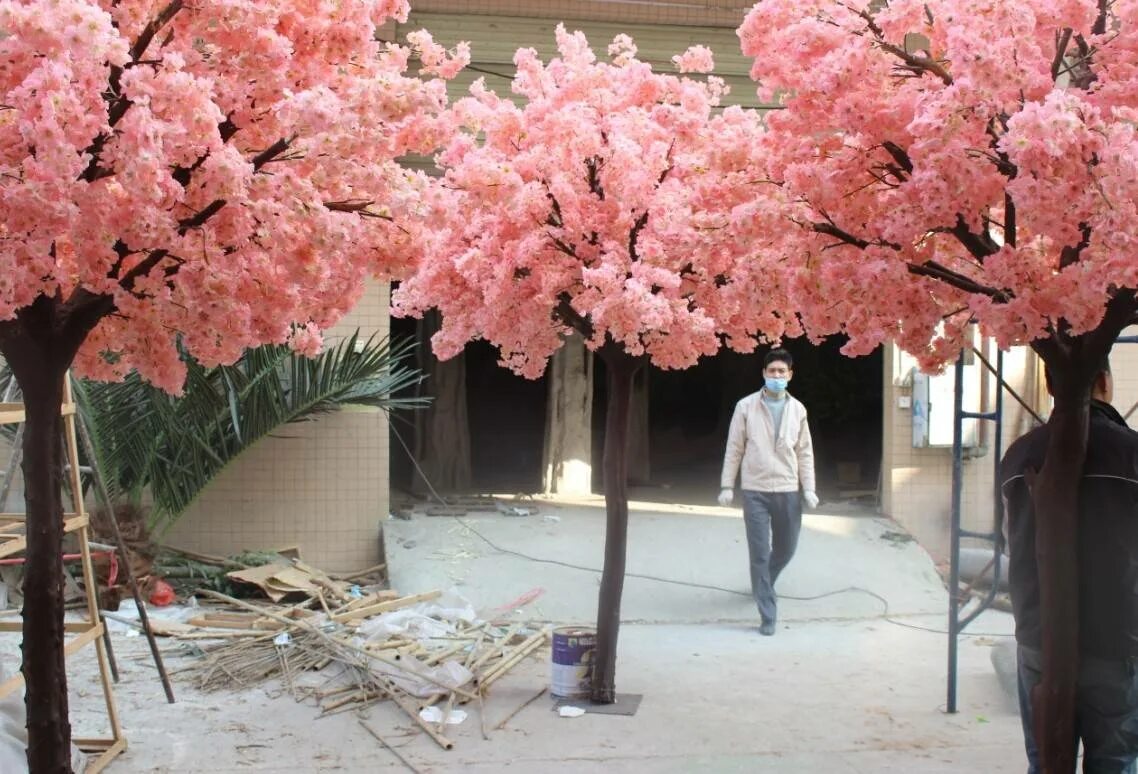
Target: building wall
(717,13)
(495,37)
(320,485)
(917,482)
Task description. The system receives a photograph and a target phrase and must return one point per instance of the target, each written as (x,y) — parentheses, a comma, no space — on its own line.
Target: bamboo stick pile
(456,668)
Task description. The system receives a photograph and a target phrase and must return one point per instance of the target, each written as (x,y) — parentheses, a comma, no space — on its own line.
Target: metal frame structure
(957,600)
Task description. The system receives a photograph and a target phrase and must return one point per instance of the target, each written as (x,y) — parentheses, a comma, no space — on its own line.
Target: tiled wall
(322,485)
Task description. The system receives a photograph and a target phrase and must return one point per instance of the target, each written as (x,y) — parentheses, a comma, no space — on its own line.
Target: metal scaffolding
(957,600)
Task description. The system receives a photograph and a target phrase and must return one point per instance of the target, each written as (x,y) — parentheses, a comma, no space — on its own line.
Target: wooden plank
(85,638)
(20,518)
(92,634)
(108,690)
(72,627)
(14,413)
(104,758)
(18,544)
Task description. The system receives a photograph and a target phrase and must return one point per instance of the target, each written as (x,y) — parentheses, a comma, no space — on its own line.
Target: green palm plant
(147,441)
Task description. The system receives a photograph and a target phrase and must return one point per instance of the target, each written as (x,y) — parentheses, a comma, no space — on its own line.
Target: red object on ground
(161,593)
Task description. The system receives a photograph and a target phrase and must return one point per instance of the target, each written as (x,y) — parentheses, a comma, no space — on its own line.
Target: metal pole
(954,555)
(143,618)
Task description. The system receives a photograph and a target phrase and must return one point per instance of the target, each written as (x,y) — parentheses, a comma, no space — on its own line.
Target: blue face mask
(777,383)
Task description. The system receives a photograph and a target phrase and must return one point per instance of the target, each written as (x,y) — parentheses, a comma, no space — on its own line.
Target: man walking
(770,441)
(1106,700)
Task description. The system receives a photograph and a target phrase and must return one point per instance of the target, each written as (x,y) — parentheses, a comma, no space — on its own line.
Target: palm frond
(146,439)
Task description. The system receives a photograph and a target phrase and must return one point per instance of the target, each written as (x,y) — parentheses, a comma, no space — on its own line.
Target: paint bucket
(572,667)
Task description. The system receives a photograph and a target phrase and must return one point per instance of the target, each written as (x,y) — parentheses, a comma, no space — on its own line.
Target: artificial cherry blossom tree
(205,176)
(602,205)
(948,161)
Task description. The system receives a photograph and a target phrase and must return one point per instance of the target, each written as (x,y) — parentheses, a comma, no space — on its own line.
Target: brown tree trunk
(1055,497)
(621,369)
(442,437)
(1073,363)
(567,453)
(45,675)
(39,346)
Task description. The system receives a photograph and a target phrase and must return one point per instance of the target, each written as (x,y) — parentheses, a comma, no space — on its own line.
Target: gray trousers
(773,521)
(1106,712)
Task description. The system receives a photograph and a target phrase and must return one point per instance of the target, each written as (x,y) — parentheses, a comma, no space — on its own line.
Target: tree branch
(957,280)
(119,101)
(568,315)
(829,229)
(225,130)
(1103,18)
(1071,254)
(359,206)
(1062,40)
(271,152)
(899,155)
(634,235)
(1010,235)
(593,176)
(917,64)
(979,246)
(201,216)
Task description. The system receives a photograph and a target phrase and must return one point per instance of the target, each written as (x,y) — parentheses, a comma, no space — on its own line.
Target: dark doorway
(689,413)
(507,423)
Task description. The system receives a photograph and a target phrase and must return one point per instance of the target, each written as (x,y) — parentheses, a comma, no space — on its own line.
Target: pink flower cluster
(907,128)
(231,181)
(609,200)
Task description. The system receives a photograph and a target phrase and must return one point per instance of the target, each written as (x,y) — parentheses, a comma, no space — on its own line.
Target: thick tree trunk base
(621,370)
(44,668)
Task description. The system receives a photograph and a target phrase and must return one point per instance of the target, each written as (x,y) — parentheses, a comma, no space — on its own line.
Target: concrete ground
(839,689)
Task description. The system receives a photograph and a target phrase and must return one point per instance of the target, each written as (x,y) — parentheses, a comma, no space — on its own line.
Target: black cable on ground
(884,616)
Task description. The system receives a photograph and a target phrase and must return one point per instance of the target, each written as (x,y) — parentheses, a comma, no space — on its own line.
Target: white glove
(726,496)
(811,499)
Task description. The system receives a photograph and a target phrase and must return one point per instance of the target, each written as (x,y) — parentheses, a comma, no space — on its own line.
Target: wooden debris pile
(360,651)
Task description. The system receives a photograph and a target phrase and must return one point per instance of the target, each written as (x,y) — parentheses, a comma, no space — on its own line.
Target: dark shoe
(767,628)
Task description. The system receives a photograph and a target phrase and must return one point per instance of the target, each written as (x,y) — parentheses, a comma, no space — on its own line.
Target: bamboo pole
(513,714)
(390,749)
(508,663)
(386,607)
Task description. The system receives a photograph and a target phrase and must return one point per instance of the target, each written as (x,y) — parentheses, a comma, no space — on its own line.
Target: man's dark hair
(779,355)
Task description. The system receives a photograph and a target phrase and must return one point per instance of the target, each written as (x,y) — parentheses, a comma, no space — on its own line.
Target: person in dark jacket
(1106,713)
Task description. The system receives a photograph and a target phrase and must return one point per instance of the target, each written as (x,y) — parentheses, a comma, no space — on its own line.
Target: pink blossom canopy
(221,170)
(949,159)
(605,202)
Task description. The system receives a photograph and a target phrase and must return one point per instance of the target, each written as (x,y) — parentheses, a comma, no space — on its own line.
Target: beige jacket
(770,461)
